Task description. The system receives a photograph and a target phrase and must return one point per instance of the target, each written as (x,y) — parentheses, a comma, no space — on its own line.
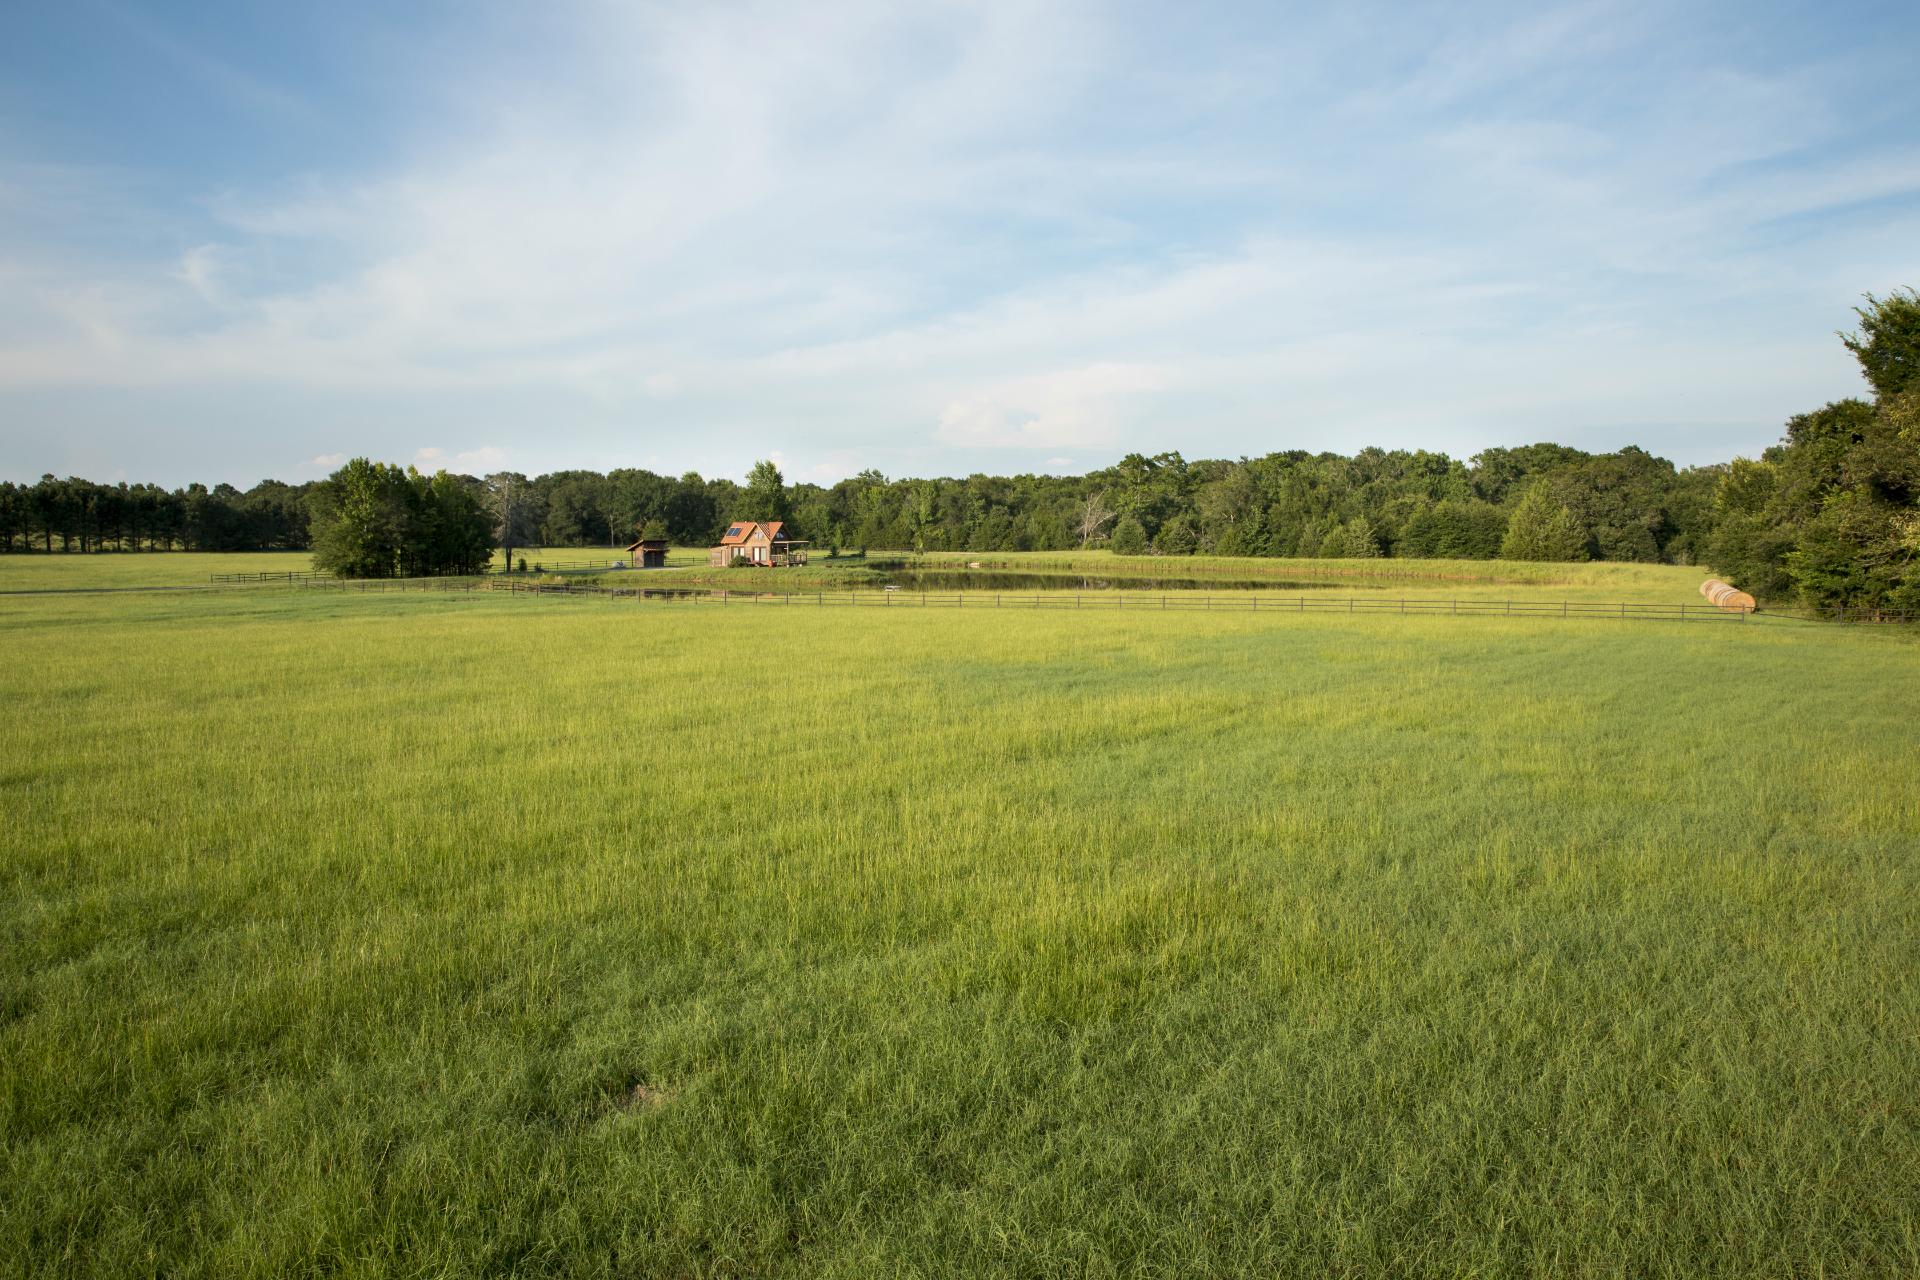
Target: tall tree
(514,514)
(1543,528)
(766,495)
(1887,344)
(360,520)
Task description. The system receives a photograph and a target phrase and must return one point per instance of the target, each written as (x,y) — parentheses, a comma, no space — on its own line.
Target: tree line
(1828,514)
(1627,505)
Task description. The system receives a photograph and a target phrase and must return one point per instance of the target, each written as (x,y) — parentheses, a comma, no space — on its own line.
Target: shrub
(1129,538)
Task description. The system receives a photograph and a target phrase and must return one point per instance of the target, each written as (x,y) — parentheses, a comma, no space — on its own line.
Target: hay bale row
(1727,597)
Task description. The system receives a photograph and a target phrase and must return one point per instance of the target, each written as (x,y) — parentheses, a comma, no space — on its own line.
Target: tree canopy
(375,520)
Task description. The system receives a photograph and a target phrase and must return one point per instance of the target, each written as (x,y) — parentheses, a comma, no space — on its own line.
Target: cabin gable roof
(742,532)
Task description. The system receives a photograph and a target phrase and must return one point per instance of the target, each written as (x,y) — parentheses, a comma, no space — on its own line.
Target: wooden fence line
(1114,601)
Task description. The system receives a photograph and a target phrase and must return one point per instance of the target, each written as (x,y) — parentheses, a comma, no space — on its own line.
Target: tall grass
(338,933)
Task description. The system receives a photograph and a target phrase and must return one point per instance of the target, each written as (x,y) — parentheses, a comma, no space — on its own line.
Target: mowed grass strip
(448,935)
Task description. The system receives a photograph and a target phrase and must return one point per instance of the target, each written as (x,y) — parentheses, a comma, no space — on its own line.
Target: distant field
(193,568)
(492,935)
(139,568)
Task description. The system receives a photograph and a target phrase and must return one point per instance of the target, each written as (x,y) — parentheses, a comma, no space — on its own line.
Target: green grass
(337,929)
(60,572)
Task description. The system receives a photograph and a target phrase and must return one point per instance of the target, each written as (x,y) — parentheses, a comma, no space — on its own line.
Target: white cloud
(325,461)
(916,239)
(1072,407)
(199,270)
(467,461)
(486,458)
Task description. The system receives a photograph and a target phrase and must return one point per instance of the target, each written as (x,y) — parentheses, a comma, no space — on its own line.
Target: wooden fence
(1112,601)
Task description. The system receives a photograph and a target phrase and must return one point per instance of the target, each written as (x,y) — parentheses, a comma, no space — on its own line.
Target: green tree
(1129,537)
(923,500)
(453,532)
(1352,540)
(766,495)
(1543,528)
(692,513)
(359,518)
(1887,344)
(1176,538)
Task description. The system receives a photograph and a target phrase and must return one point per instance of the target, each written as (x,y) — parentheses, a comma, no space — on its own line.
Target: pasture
(448,935)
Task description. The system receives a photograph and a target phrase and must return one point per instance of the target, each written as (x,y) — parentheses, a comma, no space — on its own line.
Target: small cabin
(649,553)
(762,542)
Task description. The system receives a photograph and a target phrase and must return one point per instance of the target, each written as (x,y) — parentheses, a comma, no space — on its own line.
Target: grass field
(195,568)
(339,933)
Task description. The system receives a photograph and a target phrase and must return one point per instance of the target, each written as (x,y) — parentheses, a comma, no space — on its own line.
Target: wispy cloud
(982,235)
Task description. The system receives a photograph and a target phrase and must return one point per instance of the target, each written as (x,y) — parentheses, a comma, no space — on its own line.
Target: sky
(241,241)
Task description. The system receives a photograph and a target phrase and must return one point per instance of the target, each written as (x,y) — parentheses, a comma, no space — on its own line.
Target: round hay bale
(1726,596)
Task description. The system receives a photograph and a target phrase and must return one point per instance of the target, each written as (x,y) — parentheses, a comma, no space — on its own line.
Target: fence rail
(288,575)
(1112,601)
(613,561)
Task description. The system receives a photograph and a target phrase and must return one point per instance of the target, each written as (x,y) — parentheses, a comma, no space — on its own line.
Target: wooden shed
(649,553)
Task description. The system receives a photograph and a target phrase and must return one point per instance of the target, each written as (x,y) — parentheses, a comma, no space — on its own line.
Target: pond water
(1004,580)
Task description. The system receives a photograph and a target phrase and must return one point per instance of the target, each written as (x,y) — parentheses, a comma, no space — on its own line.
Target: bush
(1353,540)
(1129,538)
(1176,538)
(1543,529)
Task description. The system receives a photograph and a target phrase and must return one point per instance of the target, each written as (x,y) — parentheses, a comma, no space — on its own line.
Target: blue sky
(243,240)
